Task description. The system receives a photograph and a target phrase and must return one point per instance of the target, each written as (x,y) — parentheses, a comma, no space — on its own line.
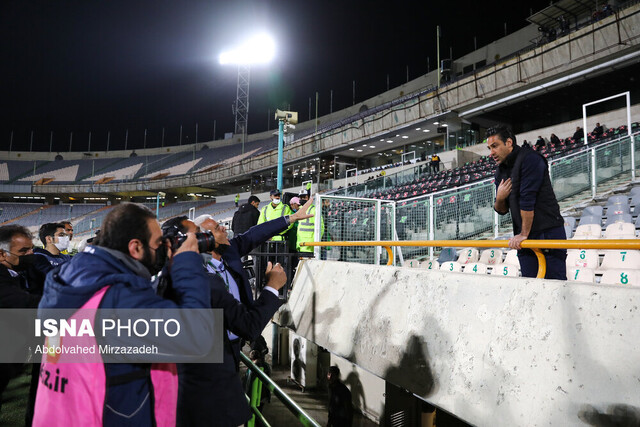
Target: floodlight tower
(259,49)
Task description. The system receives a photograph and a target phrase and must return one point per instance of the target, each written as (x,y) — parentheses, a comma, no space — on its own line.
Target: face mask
(63,243)
(156,265)
(275,201)
(24,263)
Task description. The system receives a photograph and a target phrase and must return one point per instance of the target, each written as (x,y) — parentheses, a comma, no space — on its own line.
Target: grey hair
(8,231)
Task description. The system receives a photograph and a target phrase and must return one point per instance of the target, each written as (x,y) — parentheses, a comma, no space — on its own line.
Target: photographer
(115,272)
(214,391)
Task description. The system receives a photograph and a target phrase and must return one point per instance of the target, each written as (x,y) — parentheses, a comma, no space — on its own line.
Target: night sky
(98,65)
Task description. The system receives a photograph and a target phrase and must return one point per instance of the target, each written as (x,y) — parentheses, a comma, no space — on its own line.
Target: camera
(206,241)
(290,117)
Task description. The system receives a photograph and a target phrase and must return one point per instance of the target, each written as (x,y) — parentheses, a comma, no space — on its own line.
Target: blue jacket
(214,391)
(71,286)
(54,260)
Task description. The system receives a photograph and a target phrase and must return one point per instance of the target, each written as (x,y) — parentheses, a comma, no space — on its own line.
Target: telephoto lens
(206,241)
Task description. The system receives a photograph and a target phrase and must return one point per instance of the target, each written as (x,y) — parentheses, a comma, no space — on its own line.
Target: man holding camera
(213,393)
(115,272)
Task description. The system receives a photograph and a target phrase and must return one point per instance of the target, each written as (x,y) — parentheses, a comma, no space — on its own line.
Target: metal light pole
(280,150)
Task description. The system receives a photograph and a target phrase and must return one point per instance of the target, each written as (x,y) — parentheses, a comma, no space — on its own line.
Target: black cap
(274,193)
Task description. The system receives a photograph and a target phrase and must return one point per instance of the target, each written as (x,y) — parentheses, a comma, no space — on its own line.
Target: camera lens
(206,241)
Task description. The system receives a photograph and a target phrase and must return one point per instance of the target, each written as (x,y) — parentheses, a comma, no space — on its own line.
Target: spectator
(598,131)
(540,143)
(578,134)
(295,204)
(523,188)
(116,273)
(55,240)
(246,216)
(211,391)
(554,140)
(525,143)
(340,406)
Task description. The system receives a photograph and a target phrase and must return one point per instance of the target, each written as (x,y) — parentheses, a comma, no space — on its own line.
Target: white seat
(621,259)
(625,277)
(579,274)
(505,270)
(582,258)
(620,230)
(512,258)
(412,263)
(475,268)
(468,256)
(587,231)
(451,266)
(430,265)
(491,256)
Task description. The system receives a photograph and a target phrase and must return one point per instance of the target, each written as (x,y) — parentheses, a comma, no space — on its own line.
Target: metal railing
(254,400)
(534,245)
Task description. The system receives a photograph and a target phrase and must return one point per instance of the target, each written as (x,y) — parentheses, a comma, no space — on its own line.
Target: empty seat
(505,270)
(588,231)
(430,265)
(617,209)
(592,211)
(512,258)
(580,274)
(447,254)
(468,256)
(616,259)
(450,266)
(491,256)
(618,200)
(625,277)
(590,219)
(570,221)
(412,263)
(620,230)
(582,258)
(475,268)
(618,218)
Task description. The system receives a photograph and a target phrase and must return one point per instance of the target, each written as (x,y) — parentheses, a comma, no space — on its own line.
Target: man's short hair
(334,370)
(8,231)
(175,222)
(125,222)
(503,133)
(253,199)
(202,218)
(48,229)
(66,223)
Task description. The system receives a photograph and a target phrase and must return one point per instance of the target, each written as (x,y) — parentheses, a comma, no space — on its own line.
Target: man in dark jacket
(16,255)
(246,216)
(55,240)
(127,253)
(524,189)
(212,394)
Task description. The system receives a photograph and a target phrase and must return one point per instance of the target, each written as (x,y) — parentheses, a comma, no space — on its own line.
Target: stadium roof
(548,17)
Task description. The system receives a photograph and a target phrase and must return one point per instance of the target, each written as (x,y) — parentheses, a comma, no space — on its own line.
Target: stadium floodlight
(259,49)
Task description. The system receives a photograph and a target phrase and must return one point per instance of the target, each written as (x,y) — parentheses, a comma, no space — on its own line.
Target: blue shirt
(217,267)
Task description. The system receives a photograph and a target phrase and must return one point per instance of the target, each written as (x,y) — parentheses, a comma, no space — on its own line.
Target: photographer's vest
(72,394)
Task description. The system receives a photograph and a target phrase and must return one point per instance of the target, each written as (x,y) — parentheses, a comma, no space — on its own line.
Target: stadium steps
(33,212)
(100,170)
(171,160)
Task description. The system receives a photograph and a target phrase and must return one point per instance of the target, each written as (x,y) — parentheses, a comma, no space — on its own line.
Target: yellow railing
(534,245)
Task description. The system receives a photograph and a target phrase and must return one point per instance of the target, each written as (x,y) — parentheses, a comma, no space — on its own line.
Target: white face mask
(63,243)
(275,201)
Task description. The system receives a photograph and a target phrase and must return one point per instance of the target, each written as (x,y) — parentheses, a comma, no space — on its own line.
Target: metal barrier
(254,400)
(535,245)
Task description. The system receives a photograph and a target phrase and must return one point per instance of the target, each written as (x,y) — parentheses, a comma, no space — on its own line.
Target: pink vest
(72,394)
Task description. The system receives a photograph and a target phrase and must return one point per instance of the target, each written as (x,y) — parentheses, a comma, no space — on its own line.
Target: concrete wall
(513,350)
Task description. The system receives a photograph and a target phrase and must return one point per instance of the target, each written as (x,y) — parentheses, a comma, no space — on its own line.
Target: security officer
(306,230)
(274,210)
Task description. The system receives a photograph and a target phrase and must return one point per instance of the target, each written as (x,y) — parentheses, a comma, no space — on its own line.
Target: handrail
(533,244)
(304,418)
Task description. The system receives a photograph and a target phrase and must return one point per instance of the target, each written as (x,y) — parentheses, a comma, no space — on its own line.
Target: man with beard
(212,394)
(115,272)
